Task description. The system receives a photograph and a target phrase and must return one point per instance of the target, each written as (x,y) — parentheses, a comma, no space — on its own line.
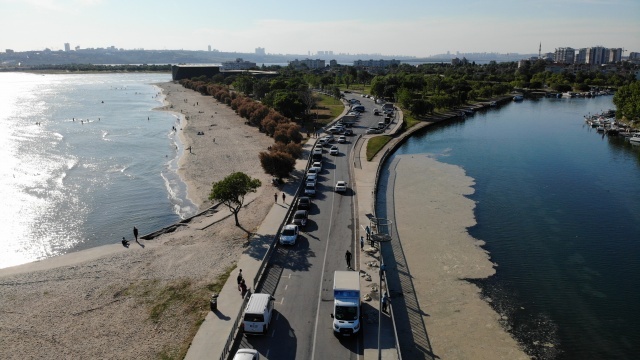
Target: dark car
(304,203)
(300,217)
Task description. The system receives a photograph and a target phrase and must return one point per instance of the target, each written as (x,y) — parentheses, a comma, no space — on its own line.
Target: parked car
(247,354)
(348,132)
(334,150)
(317,165)
(289,235)
(341,186)
(304,203)
(311,181)
(300,218)
(373,130)
(329,138)
(342,139)
(376,112)
(310,190)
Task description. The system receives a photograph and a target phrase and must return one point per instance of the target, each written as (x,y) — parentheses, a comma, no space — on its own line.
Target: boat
(493,103)
(635,139)
(518,97)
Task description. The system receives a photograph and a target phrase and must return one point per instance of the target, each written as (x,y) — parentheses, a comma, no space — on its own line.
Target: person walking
(361,243)
(275,197)
(240,278)
(135,233)
(347,256)
(385,302)
(243,288)
(283,198)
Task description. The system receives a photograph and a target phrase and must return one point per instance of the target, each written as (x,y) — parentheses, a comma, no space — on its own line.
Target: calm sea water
(84,159)
(559,207)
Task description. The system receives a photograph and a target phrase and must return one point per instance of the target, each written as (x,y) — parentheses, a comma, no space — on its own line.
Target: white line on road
(282,301)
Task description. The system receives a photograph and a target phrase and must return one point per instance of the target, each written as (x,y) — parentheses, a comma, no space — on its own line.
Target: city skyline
(410,28)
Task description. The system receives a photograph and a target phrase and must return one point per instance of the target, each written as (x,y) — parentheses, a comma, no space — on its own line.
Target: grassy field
(375,144)
(327,108)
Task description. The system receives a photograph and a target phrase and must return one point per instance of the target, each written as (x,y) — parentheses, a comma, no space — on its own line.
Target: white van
(257,314)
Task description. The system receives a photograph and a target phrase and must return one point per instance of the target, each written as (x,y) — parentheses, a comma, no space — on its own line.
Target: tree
(232,190)
(276,163)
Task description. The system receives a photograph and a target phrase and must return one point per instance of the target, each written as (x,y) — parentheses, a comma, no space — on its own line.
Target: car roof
(300,212)
(290,227)
(341,182)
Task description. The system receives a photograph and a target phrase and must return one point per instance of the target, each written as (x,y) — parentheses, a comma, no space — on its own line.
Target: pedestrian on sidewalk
(243,288)
(361,243)
(275,197)
(283,198)
(240,278)
(347,256)
(385,302)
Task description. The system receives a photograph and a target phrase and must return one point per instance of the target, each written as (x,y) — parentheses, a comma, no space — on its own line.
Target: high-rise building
(209,47)
(565,55)
(597,55)
(260,51)
(67,47)
(581,56)
(615,55)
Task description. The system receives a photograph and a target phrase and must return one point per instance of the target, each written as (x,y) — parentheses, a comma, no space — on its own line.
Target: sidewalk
(365,181)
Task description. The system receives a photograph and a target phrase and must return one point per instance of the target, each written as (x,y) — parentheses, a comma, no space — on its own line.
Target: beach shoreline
(100,299)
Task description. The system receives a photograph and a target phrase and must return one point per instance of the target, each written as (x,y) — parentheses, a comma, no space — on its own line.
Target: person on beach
(135,233)
(283,198)
(125,242)
(347,256)
(240,278)
(275,197)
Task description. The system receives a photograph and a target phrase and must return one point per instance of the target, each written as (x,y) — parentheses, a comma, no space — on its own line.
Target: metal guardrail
(232,334)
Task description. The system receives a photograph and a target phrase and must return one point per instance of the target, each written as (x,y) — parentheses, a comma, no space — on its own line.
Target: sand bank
(440,254)
(98,303)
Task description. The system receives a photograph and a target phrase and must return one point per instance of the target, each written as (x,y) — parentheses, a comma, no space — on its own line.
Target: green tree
(232,190)
(627,100)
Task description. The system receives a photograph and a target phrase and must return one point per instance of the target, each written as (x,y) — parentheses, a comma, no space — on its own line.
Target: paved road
(300,277)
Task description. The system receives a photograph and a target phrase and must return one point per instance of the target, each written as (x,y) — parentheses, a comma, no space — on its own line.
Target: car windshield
(299,216)
(288,232)
(346,313)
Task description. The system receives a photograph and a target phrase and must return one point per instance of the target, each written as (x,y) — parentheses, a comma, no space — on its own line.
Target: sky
(403,27)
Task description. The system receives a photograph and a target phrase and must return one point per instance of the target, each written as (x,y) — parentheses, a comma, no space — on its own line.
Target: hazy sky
(402,27)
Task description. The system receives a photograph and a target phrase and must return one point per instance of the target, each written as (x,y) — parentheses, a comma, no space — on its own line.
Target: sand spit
(440,254)
(99,303)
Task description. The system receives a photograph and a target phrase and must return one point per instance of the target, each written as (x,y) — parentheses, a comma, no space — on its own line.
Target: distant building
(309,63)
(189,71)
(209,47)
(238,64)
(565,55)
(581,56)
(334,63)
(381,64)
(260,51)
(597,55)
(615,55)
(67,47)
(9,51)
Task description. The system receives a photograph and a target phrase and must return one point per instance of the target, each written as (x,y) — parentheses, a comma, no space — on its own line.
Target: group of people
(242,286)
(125,242)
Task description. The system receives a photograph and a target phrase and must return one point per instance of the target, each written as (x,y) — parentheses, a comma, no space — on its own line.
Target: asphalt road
(300,277)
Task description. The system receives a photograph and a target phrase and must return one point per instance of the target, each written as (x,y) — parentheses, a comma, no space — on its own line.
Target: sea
(85,158)
(558,205)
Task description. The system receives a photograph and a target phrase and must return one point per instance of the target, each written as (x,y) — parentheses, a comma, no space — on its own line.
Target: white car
(334,150)
(311,182)
(289,235)
(247,354)
(318,165)
(342,139)
(341,186)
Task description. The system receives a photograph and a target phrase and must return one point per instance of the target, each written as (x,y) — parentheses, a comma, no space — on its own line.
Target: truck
(346,303)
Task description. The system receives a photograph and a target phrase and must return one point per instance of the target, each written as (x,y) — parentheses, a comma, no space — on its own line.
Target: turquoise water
(559,207)
(84,159)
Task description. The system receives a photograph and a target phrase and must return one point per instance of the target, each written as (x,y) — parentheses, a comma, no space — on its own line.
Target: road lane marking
(282,301)
(285,287)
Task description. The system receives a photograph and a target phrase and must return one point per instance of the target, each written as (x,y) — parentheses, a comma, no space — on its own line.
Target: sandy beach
(113,302)
(441,254)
